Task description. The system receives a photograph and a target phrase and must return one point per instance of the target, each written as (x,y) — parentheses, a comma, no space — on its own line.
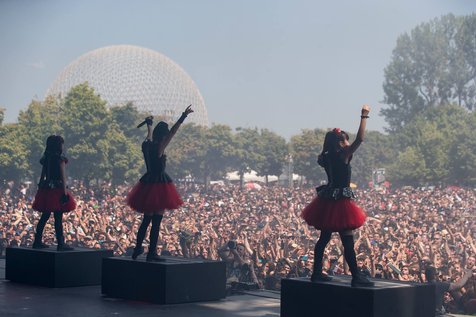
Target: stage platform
(302,298)
(172,281)
(21,300)
(48,267)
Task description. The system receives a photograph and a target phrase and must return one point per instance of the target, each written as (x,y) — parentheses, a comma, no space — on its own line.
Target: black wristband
(364,117)
(182,117)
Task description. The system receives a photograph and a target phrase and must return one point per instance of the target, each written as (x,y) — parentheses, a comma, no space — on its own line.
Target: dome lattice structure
(124,73)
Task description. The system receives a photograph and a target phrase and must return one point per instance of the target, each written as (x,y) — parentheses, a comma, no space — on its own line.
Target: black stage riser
(50,268)
(301,298)
(176,280)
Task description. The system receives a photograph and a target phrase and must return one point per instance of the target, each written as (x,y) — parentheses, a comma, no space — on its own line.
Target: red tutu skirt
(334,215)
(49,199)
(153,197)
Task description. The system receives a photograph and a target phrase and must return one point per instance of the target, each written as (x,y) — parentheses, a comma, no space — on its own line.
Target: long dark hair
(331,145)
(54,144)
(160,131)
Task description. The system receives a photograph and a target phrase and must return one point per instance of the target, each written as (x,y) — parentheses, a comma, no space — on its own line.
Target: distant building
(124,73)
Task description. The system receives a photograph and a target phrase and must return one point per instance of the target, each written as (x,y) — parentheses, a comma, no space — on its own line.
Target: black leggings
(58,215)
(349,252)
(154,232)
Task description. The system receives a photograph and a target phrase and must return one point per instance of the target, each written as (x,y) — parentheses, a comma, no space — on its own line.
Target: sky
(280,65)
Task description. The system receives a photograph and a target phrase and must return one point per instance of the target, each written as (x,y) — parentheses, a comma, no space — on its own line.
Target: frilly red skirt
(49,199)
(152,197)
(334,215)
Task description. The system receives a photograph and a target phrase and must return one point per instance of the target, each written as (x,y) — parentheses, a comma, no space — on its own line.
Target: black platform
(50,268)
(176,280)
(301,298)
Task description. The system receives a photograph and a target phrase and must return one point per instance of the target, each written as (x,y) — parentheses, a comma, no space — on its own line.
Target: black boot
(320,277)
(154,237)
(38,244)
(317,275)
(138,250)
(358,279)
(59,233)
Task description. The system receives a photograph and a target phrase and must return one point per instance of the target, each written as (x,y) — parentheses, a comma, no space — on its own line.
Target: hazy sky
(281,65)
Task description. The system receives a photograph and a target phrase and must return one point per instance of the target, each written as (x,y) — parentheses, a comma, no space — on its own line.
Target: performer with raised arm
(52,194)
(155,192)
(333,210)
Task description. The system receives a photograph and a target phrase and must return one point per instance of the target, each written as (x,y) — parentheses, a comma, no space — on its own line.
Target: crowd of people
(262,237)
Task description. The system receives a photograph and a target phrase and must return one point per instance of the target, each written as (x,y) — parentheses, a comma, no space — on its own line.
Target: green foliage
(273,151)
(40,120)
(85,121)
(433,65)
(436,146)
(436,138)
(376,151)
(220,151)
(2,115)
(13,153)
(127,117)
(186,152)
(462,165)
(305,148)
(408,168)
(249,152)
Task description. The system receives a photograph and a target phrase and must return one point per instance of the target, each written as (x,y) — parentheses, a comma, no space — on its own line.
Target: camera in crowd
(231,244)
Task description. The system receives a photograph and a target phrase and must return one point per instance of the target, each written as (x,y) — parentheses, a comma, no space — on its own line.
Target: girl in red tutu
(155,192)
(333,210)
(52,195)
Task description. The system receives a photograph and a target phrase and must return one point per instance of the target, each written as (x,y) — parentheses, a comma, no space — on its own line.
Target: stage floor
(23,300)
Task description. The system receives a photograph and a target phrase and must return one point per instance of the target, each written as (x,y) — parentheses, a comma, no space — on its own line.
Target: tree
(462,163)
(124,156)
(435,138)
(13,153)
(248,155)
(40,120)
(376,151)
(85,121)
(305,148)
(186,151)
(408,168)
(273,150)
(432,66)
(128,117)
(219,152)
(2,115)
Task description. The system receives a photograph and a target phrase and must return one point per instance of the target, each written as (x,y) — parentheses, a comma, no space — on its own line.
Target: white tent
(250,177)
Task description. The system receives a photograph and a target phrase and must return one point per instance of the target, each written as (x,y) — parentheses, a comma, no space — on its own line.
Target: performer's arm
(174,129)
(63,175)
(360,133)
(149,132)
(461,282)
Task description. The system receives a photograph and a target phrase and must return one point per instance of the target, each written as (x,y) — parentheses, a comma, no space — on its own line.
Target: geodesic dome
(124,73)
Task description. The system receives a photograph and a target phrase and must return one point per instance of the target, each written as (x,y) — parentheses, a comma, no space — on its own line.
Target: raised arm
(149,131)
(174,129)
(360,133)
(461,282)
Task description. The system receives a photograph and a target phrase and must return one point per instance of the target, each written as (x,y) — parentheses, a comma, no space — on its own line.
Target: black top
(155,165)
(338,178)
(338,172)
(51,170)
